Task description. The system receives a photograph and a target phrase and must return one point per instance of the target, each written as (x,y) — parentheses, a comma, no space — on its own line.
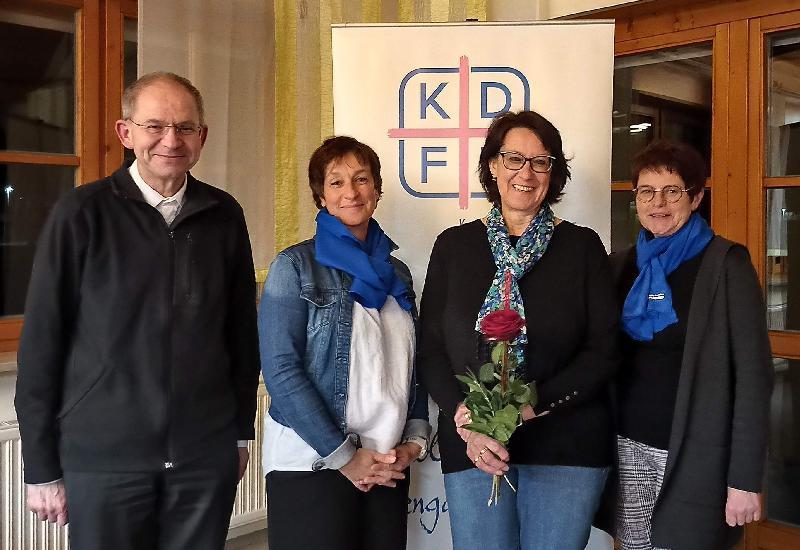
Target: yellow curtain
(303,87)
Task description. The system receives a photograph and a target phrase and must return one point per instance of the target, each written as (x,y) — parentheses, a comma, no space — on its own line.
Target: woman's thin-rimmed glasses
(540,164)
(672,193)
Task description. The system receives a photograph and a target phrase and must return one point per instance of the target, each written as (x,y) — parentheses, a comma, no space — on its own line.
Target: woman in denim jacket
(337,330)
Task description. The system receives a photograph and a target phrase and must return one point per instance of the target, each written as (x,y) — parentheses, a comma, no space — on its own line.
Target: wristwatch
(422,442)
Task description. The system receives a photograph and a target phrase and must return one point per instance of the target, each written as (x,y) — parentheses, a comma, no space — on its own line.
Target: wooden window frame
(784,343)
(95,97)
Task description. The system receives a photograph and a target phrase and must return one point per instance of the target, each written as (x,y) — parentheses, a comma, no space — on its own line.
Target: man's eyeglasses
(672,193)
(157,129)
(540,164)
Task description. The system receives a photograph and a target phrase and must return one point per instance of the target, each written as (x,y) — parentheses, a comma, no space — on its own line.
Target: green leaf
(463,378)
(534,397)
(498,352)
(481,428)
(502,434)
(507,417)
(487,373)
(523,396)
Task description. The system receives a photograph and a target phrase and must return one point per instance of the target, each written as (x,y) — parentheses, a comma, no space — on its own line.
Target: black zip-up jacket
(139,350)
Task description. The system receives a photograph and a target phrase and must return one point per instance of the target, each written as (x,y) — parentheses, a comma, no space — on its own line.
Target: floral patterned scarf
(515,261)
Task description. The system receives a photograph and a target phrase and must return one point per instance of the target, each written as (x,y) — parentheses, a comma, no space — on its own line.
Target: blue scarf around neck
(367,262)
(648,306)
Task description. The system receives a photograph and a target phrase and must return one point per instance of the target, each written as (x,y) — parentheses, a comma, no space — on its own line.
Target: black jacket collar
(198,196)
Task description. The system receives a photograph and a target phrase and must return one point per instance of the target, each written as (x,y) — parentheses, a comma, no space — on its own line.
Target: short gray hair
(131,93)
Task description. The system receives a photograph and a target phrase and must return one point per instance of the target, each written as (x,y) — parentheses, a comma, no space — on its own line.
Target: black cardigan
(720,423)
(140,344)
(571,316)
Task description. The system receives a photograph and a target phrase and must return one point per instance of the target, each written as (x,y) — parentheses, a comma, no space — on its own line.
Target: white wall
(7,383)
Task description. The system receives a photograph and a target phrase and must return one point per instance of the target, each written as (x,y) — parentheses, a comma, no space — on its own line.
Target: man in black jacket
(138,363)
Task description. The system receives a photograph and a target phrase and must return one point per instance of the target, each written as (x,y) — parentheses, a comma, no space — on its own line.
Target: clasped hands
(369,468)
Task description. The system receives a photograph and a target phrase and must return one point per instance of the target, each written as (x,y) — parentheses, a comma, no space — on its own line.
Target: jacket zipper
(168,462)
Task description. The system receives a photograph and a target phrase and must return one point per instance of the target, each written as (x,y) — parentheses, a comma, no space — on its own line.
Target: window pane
(783,255)
(28,193)
(625,224)
(130,65)
(660,95)
(130,60)
(37,81)
(783,468)
(783,114)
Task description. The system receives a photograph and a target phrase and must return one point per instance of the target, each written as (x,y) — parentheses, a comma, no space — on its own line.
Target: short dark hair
(547,133)
(335,148)
(675,158)
(132,91)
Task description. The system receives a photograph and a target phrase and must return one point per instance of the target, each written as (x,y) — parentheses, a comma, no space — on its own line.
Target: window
(664,94)
(37,114)
(52,117)
(752,86)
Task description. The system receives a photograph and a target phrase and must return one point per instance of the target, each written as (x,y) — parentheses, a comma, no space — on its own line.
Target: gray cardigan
(720,423)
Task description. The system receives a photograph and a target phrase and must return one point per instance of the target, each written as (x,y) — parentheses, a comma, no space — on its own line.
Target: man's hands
(742,507)
(244,458)
(48,502)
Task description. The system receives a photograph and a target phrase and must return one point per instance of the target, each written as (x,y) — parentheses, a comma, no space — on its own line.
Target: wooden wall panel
(720,125)
(88,91)
(663,17)
(735,213)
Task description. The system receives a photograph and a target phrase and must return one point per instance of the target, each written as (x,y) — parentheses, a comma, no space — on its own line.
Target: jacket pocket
(77,391)
(321,304)
(700,477)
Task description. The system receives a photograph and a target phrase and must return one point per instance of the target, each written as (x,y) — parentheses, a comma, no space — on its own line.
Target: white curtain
(226,48)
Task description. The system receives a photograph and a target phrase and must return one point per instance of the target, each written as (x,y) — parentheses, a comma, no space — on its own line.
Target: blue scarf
(648,306)
(367,262)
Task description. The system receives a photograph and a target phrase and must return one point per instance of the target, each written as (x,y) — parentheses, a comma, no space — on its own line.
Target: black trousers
(184,508)
(323,511)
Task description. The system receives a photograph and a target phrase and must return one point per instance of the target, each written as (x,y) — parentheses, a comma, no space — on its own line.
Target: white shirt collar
(151,196)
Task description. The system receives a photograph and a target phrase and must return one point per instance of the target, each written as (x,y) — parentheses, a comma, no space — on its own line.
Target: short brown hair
(335,148)
(547,133)
(675,158)
(131,93)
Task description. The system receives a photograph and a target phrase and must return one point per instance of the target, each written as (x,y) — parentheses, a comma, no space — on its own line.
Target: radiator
(20,530)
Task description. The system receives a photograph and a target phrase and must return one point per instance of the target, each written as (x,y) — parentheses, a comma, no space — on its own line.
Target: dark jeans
(177,509)
(322,510)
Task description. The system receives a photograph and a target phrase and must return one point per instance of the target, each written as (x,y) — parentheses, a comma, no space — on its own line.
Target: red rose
(502,324)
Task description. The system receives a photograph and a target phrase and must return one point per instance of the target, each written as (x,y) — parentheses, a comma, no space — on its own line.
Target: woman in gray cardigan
(694,388)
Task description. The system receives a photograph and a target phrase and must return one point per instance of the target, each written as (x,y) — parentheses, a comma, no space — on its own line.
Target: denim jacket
(304,324)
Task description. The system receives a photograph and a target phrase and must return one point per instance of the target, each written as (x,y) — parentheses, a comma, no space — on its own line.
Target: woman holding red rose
(555,276)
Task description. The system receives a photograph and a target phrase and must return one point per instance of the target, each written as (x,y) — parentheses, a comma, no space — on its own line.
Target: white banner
(422,96)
